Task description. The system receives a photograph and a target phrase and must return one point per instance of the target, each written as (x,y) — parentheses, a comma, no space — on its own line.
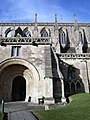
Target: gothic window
(71,73)
(16,51)
(67,87)
(78,87)
(8,33)
(19,31)
(27,32)
(62,37)
(81,37)
(44,33)
(73,87)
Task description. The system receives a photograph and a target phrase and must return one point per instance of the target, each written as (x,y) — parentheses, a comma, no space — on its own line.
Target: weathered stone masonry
(44,60)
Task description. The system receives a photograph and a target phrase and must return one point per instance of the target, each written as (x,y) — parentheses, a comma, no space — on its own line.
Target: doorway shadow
(19,89)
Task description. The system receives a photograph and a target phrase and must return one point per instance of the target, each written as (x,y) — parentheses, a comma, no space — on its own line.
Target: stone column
(49,91)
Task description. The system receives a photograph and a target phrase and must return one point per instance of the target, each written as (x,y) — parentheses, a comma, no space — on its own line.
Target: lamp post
(2,106)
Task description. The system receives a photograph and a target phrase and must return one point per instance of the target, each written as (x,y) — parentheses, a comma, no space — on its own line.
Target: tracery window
(78,87)
(73,87)
(62,37)
(81,37)
(27,32)
(44,33)
(9,33)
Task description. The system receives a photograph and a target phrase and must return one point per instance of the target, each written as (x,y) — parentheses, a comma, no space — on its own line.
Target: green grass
(1,116)
(78,109)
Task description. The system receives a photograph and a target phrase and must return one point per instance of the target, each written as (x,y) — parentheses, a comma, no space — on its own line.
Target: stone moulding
(20,61)
(74,55)
(43,24)
(25,40)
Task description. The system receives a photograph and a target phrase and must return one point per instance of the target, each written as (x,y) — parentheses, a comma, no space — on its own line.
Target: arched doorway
(16,68)
(19,89)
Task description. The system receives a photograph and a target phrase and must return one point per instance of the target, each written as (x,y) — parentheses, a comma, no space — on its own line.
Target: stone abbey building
(44,60)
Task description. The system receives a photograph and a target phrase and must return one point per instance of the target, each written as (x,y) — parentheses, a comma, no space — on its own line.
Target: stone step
(14,106)
(21,110)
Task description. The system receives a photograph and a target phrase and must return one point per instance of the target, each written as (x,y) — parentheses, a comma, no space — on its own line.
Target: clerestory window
(62,37)
(9,33)
(81,37)
(28,34)
(44,33)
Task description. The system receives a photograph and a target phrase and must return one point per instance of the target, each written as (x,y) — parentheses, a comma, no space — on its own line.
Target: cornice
(42,24)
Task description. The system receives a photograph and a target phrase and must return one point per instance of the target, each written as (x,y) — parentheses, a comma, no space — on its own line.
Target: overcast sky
(24,10)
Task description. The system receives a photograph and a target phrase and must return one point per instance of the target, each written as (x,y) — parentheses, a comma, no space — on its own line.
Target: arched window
(67,87)
(9,33)
(81,37)
(27,32)
(73,87)
(19,32)
(78,87)
(44,33)
(62,37)
(71,73)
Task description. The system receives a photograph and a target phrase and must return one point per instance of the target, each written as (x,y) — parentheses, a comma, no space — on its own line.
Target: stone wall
(36,85)
(36,62)
(68,28)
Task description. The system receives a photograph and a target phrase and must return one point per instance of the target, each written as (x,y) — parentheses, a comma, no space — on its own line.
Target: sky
(25,10)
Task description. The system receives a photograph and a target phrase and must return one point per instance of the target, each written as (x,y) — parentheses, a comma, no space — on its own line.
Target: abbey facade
(44,60)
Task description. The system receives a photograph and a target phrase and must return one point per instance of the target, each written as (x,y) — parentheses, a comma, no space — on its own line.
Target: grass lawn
(78,109)
(1,116)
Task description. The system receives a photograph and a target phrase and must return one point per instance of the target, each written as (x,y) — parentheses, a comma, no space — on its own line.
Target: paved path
(21,115)
(21,110)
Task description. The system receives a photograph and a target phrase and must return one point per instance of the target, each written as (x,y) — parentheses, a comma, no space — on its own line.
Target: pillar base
(63,100)
(27,98)
(49,100)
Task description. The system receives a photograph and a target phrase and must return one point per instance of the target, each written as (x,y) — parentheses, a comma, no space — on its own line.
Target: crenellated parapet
(63,36)
(74,56)
(25,40)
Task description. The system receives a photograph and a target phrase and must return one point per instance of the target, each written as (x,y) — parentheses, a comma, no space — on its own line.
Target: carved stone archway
(13,67)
